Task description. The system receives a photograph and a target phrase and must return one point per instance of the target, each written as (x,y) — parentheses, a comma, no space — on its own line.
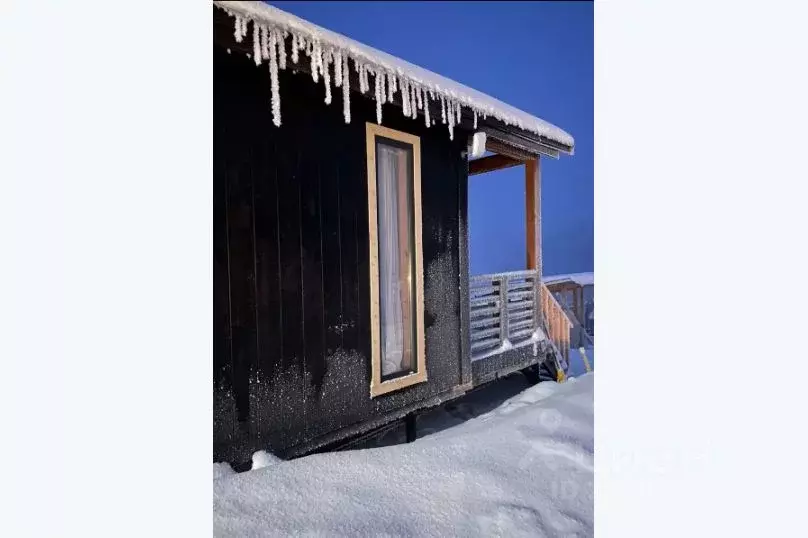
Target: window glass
(396,243)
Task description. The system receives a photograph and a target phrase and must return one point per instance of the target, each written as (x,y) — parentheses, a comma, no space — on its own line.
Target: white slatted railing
(503,312)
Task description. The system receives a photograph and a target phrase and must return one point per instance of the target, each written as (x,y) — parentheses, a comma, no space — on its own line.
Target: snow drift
(524,469)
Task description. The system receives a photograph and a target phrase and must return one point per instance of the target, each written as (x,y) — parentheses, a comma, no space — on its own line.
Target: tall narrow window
(396,264)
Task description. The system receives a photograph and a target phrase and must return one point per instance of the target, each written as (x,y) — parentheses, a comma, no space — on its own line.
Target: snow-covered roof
(582,279)
(417,85)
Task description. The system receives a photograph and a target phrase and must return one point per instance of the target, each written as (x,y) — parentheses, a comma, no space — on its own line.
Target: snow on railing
(503,312)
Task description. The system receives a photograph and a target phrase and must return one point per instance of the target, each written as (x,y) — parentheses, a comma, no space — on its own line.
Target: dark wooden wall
(291,282)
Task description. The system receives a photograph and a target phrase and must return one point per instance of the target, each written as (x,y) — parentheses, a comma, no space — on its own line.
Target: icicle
(475,119)
(327,82)
(426,110)
(244,22)
(450,121)
(382,87)
(457,104)
(378,99)
(405,98)
(363,79)
(295,46)
(257,44)
(282,51)
(413,104)
(264,43)
(442,110)
(346,91)
(315,67)
(391,86)
(420,98)
(273,75)
(237,32)
(338,69)
(320,57)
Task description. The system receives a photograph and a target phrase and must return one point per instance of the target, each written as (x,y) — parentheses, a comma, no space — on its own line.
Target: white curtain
(391,183)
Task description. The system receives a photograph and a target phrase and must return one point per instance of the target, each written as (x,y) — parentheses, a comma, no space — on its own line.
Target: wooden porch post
(533,235)
(581,308)
(578,311)
(533,213)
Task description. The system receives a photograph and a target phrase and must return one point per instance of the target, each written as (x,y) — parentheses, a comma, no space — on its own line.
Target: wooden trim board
(377,387)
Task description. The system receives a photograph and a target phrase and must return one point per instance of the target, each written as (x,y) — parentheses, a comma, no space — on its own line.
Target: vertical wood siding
(291,282)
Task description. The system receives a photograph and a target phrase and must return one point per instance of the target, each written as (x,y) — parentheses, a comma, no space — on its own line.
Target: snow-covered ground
(523,469)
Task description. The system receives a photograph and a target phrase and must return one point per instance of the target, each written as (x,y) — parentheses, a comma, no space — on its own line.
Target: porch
(514,320)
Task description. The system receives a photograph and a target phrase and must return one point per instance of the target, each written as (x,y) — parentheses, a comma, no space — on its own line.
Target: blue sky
(536,56)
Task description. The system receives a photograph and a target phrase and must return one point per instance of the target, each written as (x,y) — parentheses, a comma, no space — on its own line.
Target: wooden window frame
(377,386)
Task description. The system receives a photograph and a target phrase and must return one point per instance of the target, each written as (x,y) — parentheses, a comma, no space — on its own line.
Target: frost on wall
(416,86)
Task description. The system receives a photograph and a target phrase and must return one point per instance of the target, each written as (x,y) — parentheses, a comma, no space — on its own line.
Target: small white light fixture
(477,145)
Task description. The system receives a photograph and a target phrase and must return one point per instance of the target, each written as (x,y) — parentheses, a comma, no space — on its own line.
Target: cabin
(575,292)
(342,298)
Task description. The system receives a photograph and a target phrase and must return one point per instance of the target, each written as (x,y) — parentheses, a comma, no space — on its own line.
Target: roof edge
(323,46)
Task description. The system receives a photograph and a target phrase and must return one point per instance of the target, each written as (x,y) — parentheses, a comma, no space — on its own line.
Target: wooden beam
(491,163)
(533,214)
(545,147)
(501,148)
